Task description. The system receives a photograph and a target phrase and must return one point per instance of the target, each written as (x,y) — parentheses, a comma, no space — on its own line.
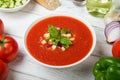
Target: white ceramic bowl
(14,9)
(70,65)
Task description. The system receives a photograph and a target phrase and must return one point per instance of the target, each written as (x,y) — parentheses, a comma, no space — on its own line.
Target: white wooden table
(23,68)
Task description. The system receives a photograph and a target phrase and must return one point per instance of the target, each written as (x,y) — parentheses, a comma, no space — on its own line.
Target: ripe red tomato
(8,48)
(116,49)
(1,27)
(3,70)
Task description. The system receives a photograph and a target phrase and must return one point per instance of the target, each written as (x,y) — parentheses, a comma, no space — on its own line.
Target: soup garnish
(58,37)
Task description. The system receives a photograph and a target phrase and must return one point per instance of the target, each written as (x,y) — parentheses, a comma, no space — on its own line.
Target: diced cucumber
(11,3)
(1,2)
(4,5)
(18,3)
(24,1)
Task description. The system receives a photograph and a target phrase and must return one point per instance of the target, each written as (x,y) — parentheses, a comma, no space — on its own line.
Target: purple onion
(112,31)
(49,45)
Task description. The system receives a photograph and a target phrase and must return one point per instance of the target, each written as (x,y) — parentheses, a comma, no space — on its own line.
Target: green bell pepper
(107,68)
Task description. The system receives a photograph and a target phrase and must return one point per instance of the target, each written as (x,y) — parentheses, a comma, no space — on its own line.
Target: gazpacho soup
(59,40)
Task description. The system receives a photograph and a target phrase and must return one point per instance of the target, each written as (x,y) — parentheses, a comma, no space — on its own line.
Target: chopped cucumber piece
(12,3)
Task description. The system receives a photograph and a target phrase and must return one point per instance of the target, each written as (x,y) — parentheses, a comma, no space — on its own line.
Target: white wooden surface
(23,68)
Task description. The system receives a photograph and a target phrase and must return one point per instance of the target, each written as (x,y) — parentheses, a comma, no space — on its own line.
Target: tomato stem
(3,41)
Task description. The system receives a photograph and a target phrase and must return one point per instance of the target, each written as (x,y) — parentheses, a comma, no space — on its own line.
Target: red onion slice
(112,31)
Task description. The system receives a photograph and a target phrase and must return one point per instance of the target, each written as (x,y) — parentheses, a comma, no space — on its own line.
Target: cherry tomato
(116,49)
(8,48)
(1,27)
(3,70)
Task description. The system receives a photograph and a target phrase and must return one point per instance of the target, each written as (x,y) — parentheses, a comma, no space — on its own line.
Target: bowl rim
(19,7)
(72,16)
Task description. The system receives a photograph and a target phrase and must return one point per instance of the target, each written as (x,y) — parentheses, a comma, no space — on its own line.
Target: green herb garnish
(64,31)
(54,33)
(55,36)
(65,42)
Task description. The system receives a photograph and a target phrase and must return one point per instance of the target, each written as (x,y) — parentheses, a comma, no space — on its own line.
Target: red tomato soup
(79,49)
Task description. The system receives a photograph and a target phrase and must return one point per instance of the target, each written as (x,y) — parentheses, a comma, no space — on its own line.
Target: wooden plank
(15,75)
(27,66)
(17,23)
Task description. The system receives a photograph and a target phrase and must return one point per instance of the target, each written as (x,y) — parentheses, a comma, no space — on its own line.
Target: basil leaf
(66,42)
(55,36)
(54,33)
(56,41)
(64,31)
